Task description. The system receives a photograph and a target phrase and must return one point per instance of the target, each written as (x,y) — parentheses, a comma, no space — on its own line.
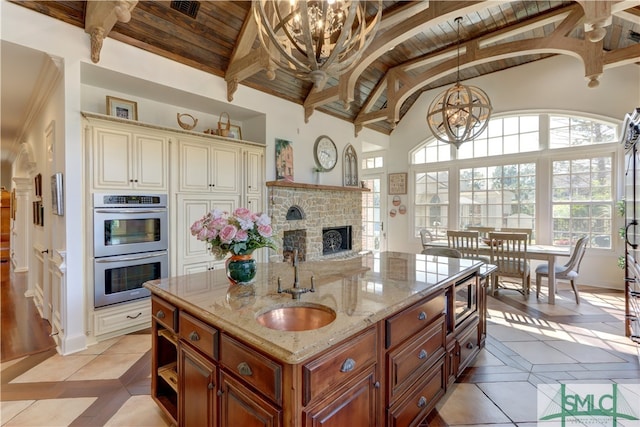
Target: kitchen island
(405,326)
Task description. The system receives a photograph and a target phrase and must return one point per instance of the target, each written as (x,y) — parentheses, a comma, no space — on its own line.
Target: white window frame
(543,160)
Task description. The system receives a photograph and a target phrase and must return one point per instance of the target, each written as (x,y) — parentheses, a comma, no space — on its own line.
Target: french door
(374,236)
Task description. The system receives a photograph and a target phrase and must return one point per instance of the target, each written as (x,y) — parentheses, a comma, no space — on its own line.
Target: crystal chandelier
(316,39)
(460,113)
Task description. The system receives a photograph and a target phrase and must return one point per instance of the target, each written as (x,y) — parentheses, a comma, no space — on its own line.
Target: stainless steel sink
(302,317)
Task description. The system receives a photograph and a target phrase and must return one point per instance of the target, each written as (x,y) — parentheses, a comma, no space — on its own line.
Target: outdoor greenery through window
(511,184)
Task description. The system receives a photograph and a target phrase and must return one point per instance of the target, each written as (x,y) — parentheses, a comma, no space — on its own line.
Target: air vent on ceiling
(633,36)
(189,8)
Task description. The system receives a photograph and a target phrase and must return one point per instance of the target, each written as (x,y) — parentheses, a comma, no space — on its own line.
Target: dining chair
(527,231)
(484,231)
(425,237)
(509,254)
(466,242)
(448,252)
(569,271)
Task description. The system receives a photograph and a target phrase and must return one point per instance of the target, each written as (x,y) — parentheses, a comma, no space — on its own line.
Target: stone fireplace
(320,221)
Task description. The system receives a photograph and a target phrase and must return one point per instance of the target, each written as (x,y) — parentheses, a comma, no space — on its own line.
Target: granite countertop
(361,290)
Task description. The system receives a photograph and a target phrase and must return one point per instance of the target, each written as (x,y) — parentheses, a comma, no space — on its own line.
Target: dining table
(547,253)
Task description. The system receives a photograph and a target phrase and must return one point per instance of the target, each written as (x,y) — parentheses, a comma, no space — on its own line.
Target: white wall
(556,84)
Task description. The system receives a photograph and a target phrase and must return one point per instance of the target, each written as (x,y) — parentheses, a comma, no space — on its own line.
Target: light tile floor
(529,343)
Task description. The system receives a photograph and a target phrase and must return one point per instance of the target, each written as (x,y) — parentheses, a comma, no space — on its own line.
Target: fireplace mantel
(289,184)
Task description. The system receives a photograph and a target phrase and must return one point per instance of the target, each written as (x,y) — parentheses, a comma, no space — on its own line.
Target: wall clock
(325,153)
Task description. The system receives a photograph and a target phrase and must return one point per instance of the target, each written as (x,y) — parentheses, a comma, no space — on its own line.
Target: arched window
(502,178)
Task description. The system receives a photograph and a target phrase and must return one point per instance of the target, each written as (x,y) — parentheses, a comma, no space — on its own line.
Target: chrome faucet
(296,291)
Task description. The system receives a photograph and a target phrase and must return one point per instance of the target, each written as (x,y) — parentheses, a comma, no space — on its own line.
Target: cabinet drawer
(412,359)
(339,365)
(420,400)
(165,313)
(257,370)
(411,320)
(468,346)
(122,317)
(199,334)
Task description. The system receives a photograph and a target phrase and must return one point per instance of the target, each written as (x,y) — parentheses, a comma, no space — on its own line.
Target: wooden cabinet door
(225,170)
(151,154)
(354,405)
(241,407)
(254,179)
(194,163)
(112,159)
(197,390)
(192,255)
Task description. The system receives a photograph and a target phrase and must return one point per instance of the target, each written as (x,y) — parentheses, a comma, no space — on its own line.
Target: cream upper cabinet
(206,167)
(127,159)
(254,178)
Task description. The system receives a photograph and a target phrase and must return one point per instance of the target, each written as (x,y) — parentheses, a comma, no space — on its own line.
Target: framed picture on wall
(57,199)
(37,182)
(122,108)
(398,183)
(284,160)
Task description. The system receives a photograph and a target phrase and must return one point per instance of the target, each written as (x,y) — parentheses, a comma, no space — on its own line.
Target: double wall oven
(130,235)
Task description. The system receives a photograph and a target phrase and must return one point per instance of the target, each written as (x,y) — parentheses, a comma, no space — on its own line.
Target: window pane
(431,201)
(580,187)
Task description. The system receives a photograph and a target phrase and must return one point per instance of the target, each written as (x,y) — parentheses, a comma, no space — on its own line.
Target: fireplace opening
(294,239)
(295,213)
(336,239)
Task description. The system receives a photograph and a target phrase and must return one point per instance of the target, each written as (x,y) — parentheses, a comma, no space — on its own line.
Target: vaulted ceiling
(415,48)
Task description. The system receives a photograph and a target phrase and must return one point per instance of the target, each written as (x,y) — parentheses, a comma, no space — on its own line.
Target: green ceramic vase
(241,269)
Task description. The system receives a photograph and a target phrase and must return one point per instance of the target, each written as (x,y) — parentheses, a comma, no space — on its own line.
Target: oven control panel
(115,200)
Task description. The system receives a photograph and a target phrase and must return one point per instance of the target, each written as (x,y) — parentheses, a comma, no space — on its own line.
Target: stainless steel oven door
(126,231)
(120,278)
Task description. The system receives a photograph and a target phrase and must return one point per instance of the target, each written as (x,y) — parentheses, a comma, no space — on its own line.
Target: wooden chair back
(527,231)
(509,254)
(484,231)
(464,241)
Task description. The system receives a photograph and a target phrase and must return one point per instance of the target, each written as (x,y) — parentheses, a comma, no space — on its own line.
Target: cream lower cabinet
(128,157)
(192,255)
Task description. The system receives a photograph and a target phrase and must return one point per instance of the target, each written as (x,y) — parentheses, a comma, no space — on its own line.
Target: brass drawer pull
(423,354)
(422,402)
(469,345)
(160,314)
(193,336)
(422,315)
(245,369)
(348,365)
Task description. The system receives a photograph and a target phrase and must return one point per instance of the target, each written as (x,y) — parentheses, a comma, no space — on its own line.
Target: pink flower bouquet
(240,232)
